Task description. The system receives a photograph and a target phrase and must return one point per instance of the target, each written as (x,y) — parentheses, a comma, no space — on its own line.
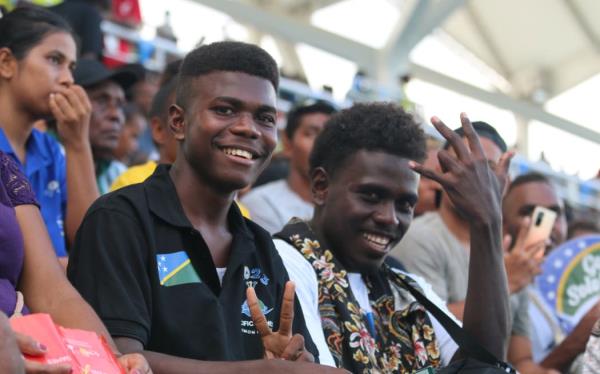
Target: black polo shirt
(150,276)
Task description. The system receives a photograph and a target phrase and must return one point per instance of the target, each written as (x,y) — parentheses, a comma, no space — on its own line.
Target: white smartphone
(540,228)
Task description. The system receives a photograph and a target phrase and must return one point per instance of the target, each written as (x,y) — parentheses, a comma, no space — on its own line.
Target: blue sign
(570,279)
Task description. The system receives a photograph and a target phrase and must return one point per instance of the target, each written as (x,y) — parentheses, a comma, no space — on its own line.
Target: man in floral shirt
(364,184)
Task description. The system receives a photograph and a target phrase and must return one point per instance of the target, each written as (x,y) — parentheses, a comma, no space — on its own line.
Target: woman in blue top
(31,279)
(37,55)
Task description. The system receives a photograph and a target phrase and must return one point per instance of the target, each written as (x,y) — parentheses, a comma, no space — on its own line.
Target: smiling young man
(364,187)
(166,263)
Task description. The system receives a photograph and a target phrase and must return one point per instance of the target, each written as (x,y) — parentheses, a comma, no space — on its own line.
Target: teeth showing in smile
(238,152)
(377,239)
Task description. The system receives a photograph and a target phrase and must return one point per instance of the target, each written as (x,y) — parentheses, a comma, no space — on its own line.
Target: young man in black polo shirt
(166,263)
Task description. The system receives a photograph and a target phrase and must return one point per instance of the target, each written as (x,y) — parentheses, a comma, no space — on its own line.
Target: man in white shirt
(273,204)
(364,186)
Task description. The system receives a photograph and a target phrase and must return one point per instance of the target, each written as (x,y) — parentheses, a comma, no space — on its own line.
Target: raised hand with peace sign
(279,344)
(475,186)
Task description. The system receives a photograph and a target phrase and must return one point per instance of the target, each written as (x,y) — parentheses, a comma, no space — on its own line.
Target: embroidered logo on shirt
(247,324)
(253,276)
(264,309)
(175,269)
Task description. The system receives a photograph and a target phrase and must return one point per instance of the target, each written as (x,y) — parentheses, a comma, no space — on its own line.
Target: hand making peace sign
(279,344)
(474,186)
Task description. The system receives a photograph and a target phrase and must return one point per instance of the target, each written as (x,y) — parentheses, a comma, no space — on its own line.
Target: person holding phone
(525,250)
(546,347)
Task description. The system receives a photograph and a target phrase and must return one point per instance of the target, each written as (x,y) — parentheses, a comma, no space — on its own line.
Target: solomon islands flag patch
(175,269)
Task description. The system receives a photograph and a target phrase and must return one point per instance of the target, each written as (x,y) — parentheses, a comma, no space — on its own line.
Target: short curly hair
(483,130)
(224,56)
(381,127)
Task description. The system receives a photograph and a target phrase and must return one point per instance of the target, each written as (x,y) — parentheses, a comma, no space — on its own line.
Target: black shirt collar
(164,202)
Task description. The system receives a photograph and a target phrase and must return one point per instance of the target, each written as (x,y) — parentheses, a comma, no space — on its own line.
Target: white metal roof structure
(538,48)
(547,45)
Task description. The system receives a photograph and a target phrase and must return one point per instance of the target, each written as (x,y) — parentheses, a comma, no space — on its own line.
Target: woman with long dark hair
(37,54)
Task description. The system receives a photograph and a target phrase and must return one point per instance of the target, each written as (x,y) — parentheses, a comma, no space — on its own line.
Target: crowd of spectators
(185,265)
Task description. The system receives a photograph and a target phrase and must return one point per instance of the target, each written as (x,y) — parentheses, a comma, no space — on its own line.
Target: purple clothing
(14,190)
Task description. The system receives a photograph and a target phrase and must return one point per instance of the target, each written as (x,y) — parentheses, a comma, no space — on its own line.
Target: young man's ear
(177,121)
(319,185)
(8,63)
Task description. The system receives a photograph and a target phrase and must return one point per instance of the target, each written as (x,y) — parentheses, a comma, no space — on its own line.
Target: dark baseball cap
(90,72)
(484,130)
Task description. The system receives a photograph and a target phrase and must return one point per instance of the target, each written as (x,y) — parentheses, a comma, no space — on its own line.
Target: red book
(85,351)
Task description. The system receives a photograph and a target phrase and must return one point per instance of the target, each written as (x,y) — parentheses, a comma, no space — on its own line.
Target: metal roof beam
(519,107)
(367,58)
(567,74)
(295,31)
(422,17)
(484,34)
(310,5)
(583,24)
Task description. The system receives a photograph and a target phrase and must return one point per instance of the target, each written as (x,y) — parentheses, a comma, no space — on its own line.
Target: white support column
(291,61)
(420,19)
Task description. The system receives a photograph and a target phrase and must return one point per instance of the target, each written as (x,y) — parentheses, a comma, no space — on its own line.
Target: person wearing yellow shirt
(135,174)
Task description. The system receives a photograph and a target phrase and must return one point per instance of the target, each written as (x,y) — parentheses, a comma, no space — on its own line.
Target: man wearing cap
(106,91)
(436,244)
(436,247)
